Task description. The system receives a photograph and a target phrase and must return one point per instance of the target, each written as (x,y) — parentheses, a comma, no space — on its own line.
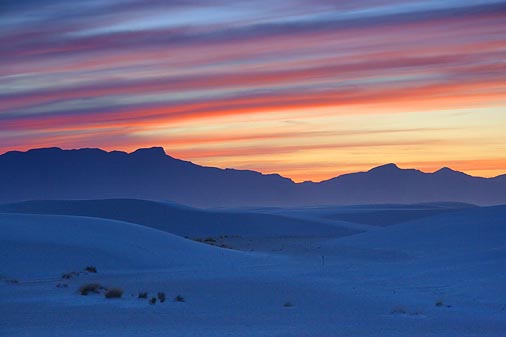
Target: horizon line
(258,171)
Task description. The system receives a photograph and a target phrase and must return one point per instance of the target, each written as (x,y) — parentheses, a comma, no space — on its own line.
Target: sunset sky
(307,89)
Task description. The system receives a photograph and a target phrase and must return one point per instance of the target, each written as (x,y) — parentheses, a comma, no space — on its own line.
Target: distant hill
(53,173)
(183,221)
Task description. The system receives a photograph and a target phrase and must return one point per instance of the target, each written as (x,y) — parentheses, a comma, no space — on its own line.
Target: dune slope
(185,221)
(45,244)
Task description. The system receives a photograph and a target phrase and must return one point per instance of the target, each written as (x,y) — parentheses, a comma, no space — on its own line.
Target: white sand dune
(383,283)
(45,244)
(469,234)
(187,221)
(463,252)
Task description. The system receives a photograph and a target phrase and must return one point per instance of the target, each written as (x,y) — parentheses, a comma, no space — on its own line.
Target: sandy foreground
(437,275)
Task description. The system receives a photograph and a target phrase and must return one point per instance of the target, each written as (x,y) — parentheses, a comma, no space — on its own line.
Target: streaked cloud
(216,81)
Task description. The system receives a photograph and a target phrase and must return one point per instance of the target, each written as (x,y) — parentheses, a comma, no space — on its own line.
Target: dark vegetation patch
(441,304)
(90,288)
(217,241)
(11,281)
(114,293)
(74,274)
(71,275)
(399,310)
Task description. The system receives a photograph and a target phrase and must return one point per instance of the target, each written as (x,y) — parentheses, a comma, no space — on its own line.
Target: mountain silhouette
(53,173)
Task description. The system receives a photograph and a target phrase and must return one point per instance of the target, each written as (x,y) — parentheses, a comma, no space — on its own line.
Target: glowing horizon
(307,91)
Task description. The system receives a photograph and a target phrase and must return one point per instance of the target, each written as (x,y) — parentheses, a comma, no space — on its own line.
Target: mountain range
(53,173)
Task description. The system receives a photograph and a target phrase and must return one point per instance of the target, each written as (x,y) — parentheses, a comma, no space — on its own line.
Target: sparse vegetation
(208,240)
(12,281)
(161,297)
(143,295)
(71,275)
(215,242)
(152,300)
(399,311)
(179,298)
(441,304)
(90,288)
(62,285)
(114,293)
(288,304)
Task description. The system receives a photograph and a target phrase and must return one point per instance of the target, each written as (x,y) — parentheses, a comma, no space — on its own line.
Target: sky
(307,89)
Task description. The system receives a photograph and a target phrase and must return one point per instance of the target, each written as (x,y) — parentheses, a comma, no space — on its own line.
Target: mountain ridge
(160,151)
(150,173)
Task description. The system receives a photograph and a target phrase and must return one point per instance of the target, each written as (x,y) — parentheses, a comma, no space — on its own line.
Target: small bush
(288,304)
(62,285)
(152,300)
(91,269)
(114,293)
(68,276)
(441,304)
(90,288)
(161,297)
(210,240)
(179,298)
(143,295)
(399,311)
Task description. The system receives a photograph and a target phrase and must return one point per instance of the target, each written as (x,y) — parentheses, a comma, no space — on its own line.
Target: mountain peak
(445,170)
(386,168)
(156,151)
(448,171)
(45,150)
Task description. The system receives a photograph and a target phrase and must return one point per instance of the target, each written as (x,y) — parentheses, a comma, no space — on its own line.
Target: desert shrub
(399,311)
(152,300)
(209,240)
(179,298)
(161,297)
(114,293)
(441,304)
(70,275)
(143,295)
(90,288)
(91,269)
(288,304)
